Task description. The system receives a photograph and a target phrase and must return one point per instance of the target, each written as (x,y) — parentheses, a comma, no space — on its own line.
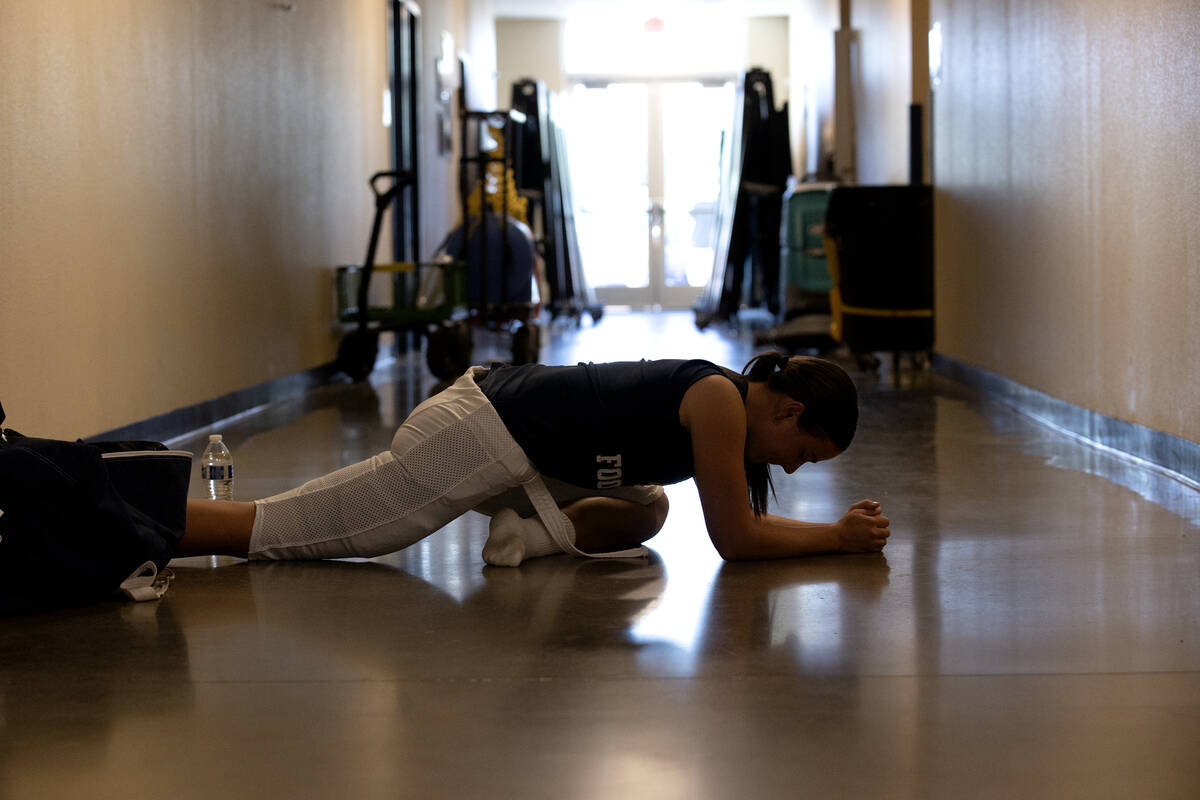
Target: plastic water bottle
(216,469)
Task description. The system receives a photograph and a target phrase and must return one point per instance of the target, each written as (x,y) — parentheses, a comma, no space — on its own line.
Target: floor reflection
(811,616)
(348,620)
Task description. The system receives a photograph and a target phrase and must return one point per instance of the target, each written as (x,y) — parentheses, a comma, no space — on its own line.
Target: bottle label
(216,472)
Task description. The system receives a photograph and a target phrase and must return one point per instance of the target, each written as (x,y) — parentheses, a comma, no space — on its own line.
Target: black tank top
(602,425)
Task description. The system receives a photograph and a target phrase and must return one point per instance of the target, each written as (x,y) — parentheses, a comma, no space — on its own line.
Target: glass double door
(645,161)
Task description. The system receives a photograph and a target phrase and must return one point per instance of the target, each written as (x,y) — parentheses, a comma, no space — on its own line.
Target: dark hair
(830,406)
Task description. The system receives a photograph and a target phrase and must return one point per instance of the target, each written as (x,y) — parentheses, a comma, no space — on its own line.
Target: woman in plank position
(572,459)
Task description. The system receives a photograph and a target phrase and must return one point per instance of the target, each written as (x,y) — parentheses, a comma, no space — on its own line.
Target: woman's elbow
(733,536)
(728,548)
(736,555)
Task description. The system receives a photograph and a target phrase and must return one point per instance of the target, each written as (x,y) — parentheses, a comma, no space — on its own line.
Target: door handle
(656,213)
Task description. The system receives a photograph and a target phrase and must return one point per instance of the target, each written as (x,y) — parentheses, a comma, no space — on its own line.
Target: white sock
(512,539)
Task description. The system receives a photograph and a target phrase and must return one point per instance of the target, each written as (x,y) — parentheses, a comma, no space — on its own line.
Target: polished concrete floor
(1032,630)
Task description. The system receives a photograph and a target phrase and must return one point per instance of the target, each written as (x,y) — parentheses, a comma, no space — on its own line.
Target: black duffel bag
(81,522)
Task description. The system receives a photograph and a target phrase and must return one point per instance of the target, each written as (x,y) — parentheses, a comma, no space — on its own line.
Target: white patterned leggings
(453,454)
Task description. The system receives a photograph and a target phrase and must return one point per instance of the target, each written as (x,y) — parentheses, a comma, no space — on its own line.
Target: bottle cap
(214,437)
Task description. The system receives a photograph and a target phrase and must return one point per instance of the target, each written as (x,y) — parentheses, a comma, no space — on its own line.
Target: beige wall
(480,33)
(1068,241)
(529,48)
(177,180)
(884,89)
(810,63)
(438,171)
(883,84)
(767,46)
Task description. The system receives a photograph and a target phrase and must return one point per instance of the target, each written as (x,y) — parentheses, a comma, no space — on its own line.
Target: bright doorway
(645,165)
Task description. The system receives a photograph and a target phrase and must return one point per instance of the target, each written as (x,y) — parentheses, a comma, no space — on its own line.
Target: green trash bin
(803,252)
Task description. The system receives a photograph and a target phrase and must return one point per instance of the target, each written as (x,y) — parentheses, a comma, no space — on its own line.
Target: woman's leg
(217,528)
(605,524)
(601,525)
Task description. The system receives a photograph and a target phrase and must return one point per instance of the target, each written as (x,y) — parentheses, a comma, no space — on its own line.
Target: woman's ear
(789,409)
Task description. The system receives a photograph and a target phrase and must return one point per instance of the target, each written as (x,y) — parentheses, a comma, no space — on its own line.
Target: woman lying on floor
(572,459)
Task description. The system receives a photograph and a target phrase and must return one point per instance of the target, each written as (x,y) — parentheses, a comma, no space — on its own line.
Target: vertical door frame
(404,83)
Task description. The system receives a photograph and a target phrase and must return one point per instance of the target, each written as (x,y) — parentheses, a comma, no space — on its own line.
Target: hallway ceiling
(561,9)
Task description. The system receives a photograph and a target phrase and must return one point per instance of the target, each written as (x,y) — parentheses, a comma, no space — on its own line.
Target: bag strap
(559,526)
(147,583)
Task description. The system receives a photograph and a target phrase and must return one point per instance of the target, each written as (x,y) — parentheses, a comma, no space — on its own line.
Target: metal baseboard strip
(1178,457)
(185,422)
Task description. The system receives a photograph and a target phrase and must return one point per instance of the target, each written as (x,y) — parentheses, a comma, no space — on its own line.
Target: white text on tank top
(609,476)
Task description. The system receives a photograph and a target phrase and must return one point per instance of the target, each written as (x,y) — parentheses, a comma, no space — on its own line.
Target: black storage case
(881,238)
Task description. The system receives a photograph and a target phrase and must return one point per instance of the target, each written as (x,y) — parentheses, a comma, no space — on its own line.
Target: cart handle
(400,178)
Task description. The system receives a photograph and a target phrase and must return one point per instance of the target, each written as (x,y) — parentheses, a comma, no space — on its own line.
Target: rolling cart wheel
(356,353)
(448,353)
(867,362)
(526,344)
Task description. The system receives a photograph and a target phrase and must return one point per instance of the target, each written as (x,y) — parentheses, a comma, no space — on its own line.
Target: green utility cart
(427,299)
(803,261)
